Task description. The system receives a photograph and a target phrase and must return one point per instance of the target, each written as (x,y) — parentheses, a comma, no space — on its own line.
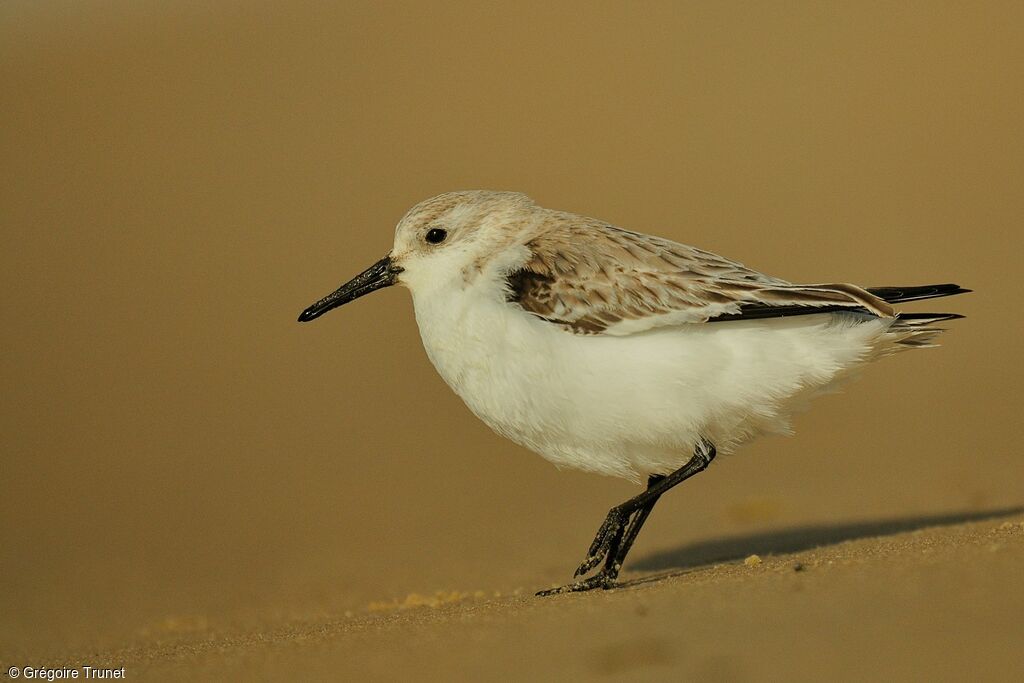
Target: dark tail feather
(894,295)
(920,323)
(890,295)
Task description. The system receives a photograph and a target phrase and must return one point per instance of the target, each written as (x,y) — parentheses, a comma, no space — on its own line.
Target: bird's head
(444,239)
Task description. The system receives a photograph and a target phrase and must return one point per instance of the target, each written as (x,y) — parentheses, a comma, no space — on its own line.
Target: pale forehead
(459,206)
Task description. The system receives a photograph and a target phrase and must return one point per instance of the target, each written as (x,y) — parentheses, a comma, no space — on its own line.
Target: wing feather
(592,278)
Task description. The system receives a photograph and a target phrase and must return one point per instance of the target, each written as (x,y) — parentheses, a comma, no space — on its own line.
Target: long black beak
(380,274)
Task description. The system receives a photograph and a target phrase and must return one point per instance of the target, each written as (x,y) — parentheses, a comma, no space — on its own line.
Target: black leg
(623,523)
(623,540)
(633,530)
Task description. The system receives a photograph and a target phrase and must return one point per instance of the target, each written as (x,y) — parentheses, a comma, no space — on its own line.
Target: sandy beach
(877,606)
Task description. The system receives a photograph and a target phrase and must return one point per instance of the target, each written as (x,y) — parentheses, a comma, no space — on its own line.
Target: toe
(601,580)
(588,564)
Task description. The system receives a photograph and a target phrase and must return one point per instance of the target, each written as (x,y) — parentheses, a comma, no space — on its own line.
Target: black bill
(380,274)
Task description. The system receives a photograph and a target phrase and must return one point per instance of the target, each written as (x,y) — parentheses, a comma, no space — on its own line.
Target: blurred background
(180,179)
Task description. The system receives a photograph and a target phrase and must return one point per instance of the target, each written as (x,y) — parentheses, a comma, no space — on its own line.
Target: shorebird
(621,353)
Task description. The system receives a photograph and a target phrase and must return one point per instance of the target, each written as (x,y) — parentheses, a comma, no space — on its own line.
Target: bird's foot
(604,549)
(605,542)
(603,579)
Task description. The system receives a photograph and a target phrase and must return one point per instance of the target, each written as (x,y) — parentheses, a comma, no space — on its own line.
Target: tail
(895,295)
(916,329)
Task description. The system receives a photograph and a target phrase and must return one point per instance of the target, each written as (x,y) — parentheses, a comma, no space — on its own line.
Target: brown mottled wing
(592,278)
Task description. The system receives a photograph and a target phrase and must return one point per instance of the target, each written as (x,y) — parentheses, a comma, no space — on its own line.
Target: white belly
(634,405)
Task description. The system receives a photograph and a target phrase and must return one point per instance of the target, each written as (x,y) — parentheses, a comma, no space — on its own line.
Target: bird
(622,353)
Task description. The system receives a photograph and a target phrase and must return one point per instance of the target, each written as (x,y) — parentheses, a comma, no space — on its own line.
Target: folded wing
(592,278)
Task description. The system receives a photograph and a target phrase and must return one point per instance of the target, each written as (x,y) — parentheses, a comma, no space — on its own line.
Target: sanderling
(622,353)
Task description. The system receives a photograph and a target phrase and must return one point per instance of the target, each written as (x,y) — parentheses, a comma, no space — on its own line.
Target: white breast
(635,405)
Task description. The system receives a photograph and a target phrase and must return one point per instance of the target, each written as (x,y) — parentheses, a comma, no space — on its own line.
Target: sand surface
(913,602)
(195,487)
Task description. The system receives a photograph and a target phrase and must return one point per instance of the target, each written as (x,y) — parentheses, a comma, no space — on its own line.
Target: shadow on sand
(792,540)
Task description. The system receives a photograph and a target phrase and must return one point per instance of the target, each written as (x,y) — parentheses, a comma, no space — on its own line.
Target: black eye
(436,235)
